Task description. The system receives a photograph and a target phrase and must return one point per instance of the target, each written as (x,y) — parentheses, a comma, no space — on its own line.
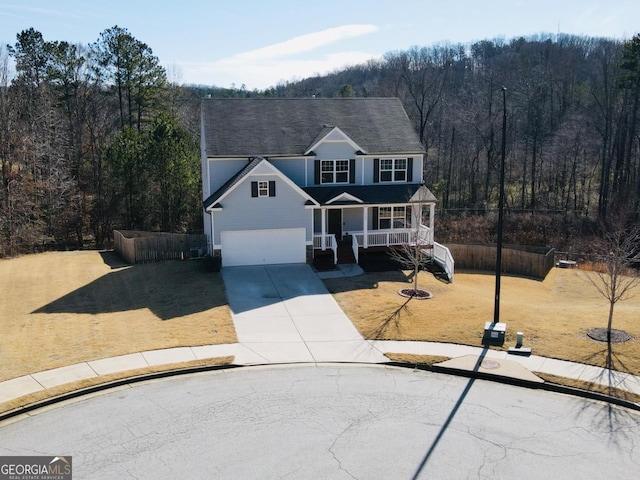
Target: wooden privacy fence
(527,261)
(149,247)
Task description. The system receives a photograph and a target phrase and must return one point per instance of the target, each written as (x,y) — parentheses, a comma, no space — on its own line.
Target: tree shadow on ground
(612,362)
(169,289)
(392,321)
(610,420)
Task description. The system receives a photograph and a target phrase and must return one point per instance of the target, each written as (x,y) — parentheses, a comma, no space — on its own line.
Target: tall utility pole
(496,308)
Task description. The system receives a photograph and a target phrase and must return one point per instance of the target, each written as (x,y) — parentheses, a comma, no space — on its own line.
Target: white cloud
(267,66)
(305,43)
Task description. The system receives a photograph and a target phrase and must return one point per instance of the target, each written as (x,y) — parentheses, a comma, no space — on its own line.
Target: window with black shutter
(263,188)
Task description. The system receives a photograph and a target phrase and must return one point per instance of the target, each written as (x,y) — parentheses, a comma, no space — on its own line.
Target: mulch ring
(600,335)
(417,294)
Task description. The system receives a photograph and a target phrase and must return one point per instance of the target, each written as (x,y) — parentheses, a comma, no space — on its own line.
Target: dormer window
(393,169)
(334,171)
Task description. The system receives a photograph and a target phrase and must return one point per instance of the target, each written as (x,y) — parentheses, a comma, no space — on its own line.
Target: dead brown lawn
(67,307)
(62,308)
(554,314)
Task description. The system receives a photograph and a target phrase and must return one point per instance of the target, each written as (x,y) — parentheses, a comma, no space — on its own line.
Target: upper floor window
(334,171)
(393,169)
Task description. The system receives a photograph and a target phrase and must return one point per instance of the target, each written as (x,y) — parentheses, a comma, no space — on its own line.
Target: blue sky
(261,43)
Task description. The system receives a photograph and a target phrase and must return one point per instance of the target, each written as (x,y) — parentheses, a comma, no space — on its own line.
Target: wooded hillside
(98,137)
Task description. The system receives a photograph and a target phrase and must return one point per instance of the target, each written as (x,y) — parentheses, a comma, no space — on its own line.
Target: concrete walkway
(244,355)
(285,315)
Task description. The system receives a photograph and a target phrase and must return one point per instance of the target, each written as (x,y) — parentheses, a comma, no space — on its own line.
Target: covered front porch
(364,227)
(347,221)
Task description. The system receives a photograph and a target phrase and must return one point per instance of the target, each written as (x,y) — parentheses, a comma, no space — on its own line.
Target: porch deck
(378,240)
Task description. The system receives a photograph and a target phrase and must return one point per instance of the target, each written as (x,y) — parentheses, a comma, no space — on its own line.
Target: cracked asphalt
(334,422)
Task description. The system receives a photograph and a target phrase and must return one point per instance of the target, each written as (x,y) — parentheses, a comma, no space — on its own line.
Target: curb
(550,387)
(108,385)
(547,386)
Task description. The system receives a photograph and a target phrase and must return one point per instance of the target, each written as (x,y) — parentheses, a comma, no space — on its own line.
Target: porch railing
(330,243)
(391,237)
(354,247)
(387,238)
(443,256)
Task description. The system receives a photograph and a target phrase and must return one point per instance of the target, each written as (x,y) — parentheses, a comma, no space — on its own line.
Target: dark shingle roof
(249,127)
(371,194)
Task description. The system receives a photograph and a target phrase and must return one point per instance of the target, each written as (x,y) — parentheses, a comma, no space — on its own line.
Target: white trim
(344,138)
(334,171)
(391,218)
(263,185)
(393,169)
(344,196)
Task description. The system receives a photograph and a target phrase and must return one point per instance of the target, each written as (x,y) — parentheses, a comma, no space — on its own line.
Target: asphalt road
(334,422)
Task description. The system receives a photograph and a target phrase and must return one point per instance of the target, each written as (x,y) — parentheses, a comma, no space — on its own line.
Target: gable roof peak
(324,135)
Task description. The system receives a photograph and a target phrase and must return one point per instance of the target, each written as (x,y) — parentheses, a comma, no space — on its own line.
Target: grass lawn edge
(71,390)
(630,399)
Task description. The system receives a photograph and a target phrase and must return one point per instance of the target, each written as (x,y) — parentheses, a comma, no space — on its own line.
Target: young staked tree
(615,274)
(416,253)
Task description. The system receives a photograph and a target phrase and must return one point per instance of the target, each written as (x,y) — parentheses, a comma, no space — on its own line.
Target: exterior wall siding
(241,211)
(351,219)
(294,168)
(220,171)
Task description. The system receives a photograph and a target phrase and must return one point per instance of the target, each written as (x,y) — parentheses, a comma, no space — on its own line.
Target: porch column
(432,214)
(323,216)
(313,227)
(212,234)
(365,229)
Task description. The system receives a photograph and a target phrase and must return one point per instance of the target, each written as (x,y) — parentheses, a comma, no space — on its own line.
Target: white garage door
(262,247)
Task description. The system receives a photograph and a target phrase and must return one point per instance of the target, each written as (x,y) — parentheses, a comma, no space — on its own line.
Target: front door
(335,223)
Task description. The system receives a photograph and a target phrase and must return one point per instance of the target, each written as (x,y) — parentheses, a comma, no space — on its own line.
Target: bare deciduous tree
(415,254)
(615,276)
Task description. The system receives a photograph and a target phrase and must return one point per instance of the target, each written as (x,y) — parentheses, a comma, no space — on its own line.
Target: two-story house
(285,180)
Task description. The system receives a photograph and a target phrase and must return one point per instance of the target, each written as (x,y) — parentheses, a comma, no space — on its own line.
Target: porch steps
(345,253)
(439,272)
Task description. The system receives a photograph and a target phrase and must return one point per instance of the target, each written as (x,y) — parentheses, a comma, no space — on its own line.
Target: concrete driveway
(284,314)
